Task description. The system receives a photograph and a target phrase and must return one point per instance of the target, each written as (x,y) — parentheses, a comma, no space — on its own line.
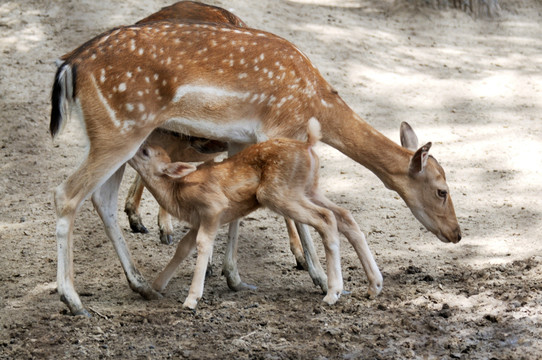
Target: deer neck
(350,134)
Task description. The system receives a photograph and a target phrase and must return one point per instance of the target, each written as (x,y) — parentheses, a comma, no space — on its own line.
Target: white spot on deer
(262,98)
(177,41)
(122,87)
(254,98)
(147,79)
(128,74)
(102,76)
(93,57)
(168,61)
(132,45)
(214,43)
(242,61)
(140,93)
(326,104)
(141,107)
(270,74)
(129,107)
(281,102)
(242,49)
(256,68)
(262,56)
(103,100)
(127,126)
(141,51)
(242,76)
(164,82)
(156,76)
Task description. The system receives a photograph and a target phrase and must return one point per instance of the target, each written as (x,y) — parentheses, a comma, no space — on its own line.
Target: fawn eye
(442,193)
(145,152)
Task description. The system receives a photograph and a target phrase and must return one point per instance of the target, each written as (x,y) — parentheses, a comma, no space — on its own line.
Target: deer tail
(62,97)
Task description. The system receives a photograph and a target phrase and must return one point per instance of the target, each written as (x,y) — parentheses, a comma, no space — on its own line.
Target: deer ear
(177,170)
(419,160)
(409,139)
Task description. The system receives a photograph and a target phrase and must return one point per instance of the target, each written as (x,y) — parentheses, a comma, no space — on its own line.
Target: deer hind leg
(229,267)
(105,202)
(350,229)
(131,206)
(304,211)
(95,170)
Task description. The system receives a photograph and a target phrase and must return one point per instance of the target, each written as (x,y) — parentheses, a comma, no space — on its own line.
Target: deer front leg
(185,247)
(131,206)
(295,245)
(204,241)
(316,272)
(229,268)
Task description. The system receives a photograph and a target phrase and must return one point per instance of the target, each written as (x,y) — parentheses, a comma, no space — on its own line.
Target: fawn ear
(419,160)
(177,170)
(409,139)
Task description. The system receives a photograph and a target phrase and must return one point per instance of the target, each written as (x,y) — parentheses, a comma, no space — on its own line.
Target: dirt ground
(472,86)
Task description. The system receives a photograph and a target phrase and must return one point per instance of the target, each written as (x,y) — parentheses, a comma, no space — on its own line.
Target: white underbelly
(239,131)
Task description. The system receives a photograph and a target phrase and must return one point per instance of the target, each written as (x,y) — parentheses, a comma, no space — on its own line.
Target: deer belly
(215,113)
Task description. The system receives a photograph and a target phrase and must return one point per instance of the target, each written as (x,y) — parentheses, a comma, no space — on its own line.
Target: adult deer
(219,82)
(182,149)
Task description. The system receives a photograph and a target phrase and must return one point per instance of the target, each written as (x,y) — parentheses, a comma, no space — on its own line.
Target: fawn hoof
(190,304)
(208,272)
(332,297)
(166,239)
(138,227)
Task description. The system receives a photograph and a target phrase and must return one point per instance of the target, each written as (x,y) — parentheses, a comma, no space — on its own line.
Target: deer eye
(145,152)
(442,193)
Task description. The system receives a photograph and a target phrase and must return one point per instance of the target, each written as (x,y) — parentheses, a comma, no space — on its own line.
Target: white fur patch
(240,131)
(110,111)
